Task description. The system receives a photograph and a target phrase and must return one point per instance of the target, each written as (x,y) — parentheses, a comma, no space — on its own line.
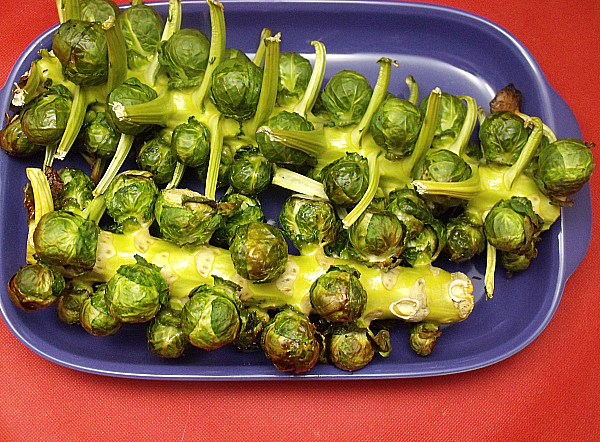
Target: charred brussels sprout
(157,157)
(338,295)
(411,210)
(253,322)
(76,193)
(191,143)
(210,318)
(136,292)
(452,117)
(395,126)
(98,11)
(423,337)
(131,91)
(142,29)
(465,238)
(95,318)
(165,334)
(279,153)
(517,262)
(246,210)
(349,348)
(236,88)
(294,74)
(82,50)
(346,97)
(512,225)
(308,221)
(70,302)
(184,57)
(14,141)
(130,200)
(186,217)
(259,252)
(250,173)
(35,286)
(502,136)
(290,341)
(99,137)
(346,179)
(44,118)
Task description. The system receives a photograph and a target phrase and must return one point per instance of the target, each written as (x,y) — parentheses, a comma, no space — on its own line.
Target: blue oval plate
(462,54)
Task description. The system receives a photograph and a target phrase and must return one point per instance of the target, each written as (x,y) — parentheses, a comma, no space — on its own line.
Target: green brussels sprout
(279,153)
(308,221)
(44,118)
(142,30)
(346,97)
(14,141)
(512,225)
(184,57)
(76,193)
(423,337)
(157,157)
(247,209)
(502,136)
(35,286)
(165,334)
(70,301)
(186,217)
(377,238)
(425,247)
(253,322)
(66,239)
(338,295)
(411,210)
(349,348)
(236,88)
(395,126)
(136,292)
(250,173)
(226,161)
(294,74)
(236,54)
(443,166)
(259,252)
(131,91)
(453,113)
(95,318)
(517,262)
(290,341)
(98,11)
(82,50)
(465,238)
(563,167)
(346,179)
(130,200)
(210,318)
(99,137)
(191,143)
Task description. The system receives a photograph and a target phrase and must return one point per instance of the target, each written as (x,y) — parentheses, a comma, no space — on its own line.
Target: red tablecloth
(550,391)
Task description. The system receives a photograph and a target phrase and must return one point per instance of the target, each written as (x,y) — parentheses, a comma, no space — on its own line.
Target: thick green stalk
(117,54)
(466,190)
(296,182)
(259,56)
(316,81)
(96,209)
(462,140)
(177,176)
(529,151)
(68,10)
(43,203)
(490,271)
(413,89)
(123,148)
(214,160)
(311,142)
(373,160)
(158,111)
(74,123)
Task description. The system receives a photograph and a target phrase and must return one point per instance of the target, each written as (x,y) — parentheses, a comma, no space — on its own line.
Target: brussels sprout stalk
(125,143)
(460,143)
(527,154)
(298,183)
(68,10)
(216,149)
(357,211)
(259,56)
(316,80)
(43,203)
(490,271)
(413,89)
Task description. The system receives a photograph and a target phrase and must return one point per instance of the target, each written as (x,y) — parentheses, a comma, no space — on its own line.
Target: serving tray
(441,47)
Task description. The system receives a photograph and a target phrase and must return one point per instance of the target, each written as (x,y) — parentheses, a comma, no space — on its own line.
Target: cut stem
(490,270)
(68,10)
(357,211)
(462,140)
(413,90)
(311,142)
(527,154)
(259,56)
(43,203)
(123,148)
(74,123)
(214,161)
(177,176)
(311,94)
(117,54)
(298,183)
(466,190)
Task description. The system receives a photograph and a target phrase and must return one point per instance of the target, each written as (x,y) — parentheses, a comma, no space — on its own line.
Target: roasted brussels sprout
(44,118)
(131,92)
(502,136)
(142,30)
(165,334)
(250,173)
(294,74)
(423,337)
(35,286)
(191,143)
(70,301)
(464,238)
(443,166)
(452,117)
(253,322)
(157,157)
(425,247)
(338,295)
(411,210)
(184,57)
(517,262)
(95,318)
(346,179)
(14,141)
(346,97)
(76,193)
(246,209)
(99,137)
(349,347)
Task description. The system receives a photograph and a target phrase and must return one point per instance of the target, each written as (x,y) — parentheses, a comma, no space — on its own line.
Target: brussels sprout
(44,118)
(452,117)
(235,54)
(290,341)
(253,322)
(512,225)
(210,318)
(35,286)
(95,318)
(563,167)
(517,262)
(443,166)
(294,74)
(130,200)
(14,141)
(98,11)
(425,247)
(82,50)
(247,210)
(142,30)
(70,302)
(395,126)
(279,153)
(131,91)
(99,137)
(502,136)
(76,193)
(66,239)
(184,57)
(165,334)
(136,292)
(423,337)
(349,348)
(377,238)
(157,157)
(259,252)
(338,295)
(411,210)
(236,88)
(186,217)
(250,173)
(308,221)
(346,97)
(191,143)
(465,238)
(346,179)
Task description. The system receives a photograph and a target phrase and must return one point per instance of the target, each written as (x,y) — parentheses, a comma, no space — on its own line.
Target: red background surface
(550,391)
